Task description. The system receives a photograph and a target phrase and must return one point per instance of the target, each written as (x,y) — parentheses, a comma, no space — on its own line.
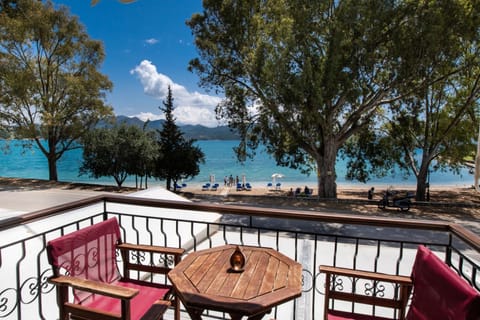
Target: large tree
(50,86)
(436,130)
(179,158)
(303,76)
(433,129)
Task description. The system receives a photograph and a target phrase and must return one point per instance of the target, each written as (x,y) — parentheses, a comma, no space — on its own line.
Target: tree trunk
(169,183)
(52,167)
(52,160)
(118,181)
(326,175)
(421,192)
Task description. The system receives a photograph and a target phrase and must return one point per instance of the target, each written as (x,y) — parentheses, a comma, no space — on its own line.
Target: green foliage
(118,151)
(368,153)
(433,129)
(303,77)
(179,158)
(50,86)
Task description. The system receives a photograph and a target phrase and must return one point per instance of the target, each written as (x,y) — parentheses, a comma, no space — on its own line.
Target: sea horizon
(220,162)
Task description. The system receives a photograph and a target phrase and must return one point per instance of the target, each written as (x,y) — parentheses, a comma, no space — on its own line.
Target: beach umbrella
(276,176)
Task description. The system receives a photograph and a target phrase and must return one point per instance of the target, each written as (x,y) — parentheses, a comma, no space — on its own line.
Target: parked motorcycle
(395,200)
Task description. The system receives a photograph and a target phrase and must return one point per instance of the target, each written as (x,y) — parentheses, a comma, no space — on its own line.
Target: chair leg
(62,298)
(327,298)
(177,308)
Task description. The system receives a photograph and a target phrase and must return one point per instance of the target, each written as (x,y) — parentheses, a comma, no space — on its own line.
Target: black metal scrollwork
(30,290)
(166,260)
(8,302)
(375,289)
(138,256)
(337,283)
(320,283)
(307,280)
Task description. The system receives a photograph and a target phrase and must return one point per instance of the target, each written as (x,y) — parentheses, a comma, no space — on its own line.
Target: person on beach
(306,191)
(298,191)
(290,193)
(370,193)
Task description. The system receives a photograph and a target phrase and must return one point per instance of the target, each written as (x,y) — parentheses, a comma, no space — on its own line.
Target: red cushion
(439,292)
(140,303)
(342,315)
(88,253)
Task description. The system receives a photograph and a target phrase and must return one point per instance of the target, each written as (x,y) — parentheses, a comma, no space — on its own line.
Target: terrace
(311,238)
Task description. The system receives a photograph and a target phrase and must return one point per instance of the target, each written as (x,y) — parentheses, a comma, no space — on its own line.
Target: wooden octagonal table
(204,280)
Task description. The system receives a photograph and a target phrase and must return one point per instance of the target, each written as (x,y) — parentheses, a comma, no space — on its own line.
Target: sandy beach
(447,203)
(447,193)
(437,194)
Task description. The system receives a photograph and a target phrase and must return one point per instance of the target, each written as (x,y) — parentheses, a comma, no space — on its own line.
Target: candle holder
(237,260)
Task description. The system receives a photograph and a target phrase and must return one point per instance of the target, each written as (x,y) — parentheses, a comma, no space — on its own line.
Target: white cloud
(151,41)
(190,107)
(144,116)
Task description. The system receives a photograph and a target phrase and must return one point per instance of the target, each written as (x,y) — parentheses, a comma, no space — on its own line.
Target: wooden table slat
(192,270)
(213,270)
(282,276)
(257,277)
(240,287)
(269,280)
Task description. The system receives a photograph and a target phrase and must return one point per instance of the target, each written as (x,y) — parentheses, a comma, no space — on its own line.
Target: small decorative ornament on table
(237,260)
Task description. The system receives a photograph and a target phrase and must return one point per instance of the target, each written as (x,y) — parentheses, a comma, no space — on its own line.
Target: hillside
(197,132)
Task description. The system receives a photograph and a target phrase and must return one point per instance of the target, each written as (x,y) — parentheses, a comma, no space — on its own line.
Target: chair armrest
(129,265)
(397,301)
(97,287)
(149,248)
(404,280)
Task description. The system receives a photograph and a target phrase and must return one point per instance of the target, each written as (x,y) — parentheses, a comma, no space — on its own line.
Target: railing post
(105,215)
(448,253)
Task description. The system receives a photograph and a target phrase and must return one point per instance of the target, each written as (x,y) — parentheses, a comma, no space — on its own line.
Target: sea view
(220,161)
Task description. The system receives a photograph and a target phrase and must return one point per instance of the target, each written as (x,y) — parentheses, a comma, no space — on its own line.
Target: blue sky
(148,46)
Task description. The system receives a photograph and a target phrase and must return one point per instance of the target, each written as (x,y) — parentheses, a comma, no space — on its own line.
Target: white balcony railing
(374,244)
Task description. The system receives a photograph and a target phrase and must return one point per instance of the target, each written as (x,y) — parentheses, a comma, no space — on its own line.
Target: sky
(148,47)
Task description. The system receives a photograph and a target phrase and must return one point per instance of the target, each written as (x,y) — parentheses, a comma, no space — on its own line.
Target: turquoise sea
(220,162)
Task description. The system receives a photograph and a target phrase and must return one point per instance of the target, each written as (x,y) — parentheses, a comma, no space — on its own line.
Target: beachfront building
(310,238)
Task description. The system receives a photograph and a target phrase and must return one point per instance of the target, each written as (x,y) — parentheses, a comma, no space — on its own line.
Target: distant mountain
(197,132)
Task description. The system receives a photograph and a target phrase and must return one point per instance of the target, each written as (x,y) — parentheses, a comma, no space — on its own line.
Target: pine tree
(179,158)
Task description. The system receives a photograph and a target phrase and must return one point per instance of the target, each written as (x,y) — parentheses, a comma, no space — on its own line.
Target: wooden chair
(84,264)
(438,292)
